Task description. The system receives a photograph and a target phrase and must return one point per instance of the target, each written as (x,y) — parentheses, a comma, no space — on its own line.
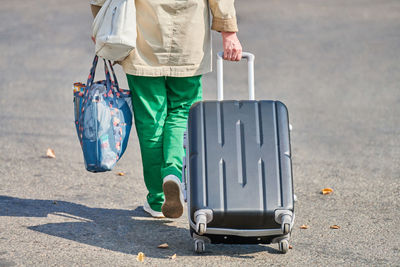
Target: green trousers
(161,107)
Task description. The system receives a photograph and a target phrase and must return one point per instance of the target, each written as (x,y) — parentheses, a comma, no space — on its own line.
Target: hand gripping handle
(220,73)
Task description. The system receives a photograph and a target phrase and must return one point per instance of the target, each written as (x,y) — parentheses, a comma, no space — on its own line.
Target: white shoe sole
(153,213)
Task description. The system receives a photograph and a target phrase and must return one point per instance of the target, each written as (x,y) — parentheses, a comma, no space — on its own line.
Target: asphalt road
(334,63)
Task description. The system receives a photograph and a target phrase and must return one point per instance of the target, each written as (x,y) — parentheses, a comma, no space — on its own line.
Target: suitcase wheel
(286,228)
(199,246)
(284,246)
(202,228)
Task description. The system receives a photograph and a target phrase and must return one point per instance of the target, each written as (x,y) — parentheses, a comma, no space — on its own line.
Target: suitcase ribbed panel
(261,184)
(240,154)
(285,156)
(235,164)
(220,124)
(222,185)
(204,158)
(259,135)
(270,155)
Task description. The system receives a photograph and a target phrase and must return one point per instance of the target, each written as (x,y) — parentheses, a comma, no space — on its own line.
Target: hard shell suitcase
(237,174)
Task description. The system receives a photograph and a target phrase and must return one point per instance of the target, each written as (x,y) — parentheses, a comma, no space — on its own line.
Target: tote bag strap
(108,77)
(114,76)
(92,71)
(107,73)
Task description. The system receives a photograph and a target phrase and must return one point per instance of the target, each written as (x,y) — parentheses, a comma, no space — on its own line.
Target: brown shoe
(173,204)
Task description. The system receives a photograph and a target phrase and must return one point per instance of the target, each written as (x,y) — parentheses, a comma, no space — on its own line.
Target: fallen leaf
(173,257)
(164,245)
(290,247)
(335,226)
(121,173)
(327,191)
(50,153)
(140,256)
(304,226)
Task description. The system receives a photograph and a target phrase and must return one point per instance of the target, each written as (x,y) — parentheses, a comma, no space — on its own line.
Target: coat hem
(172,71)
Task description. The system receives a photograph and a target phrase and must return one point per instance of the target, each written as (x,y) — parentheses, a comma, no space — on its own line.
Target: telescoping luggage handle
(250,70)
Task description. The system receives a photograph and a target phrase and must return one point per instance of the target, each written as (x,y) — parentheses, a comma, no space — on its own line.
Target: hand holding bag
(114,29)
(103,119)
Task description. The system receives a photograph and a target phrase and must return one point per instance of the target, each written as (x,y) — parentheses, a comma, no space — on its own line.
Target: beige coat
(173,36)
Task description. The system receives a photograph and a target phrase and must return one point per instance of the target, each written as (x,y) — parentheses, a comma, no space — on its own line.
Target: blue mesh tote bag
(103,119)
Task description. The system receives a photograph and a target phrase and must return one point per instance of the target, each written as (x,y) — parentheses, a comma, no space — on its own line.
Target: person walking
(173,51)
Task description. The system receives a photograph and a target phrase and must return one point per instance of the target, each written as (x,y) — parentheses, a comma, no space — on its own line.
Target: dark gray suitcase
(237,171)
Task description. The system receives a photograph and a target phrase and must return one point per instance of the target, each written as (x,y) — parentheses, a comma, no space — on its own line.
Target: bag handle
(250,72)
(114,76)
(109,82)
(92,71)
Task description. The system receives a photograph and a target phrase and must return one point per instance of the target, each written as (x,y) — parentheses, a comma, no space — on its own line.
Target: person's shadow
(126,231)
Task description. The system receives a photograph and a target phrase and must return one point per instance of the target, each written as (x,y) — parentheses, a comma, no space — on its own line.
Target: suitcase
(237,175)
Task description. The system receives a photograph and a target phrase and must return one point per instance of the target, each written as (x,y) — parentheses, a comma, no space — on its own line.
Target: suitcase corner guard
(202,217)
(286,219)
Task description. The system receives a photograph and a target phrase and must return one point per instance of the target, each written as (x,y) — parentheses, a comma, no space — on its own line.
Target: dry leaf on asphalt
(50,153)
(335,226)
(173,257)
(164,245)
(140,256)
(121,173)
(304,226)
(327,191)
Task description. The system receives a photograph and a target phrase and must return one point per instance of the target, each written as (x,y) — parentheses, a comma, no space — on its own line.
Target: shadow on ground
(126,231)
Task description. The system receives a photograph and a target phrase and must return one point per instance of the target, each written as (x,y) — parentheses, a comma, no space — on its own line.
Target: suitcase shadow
(126,231)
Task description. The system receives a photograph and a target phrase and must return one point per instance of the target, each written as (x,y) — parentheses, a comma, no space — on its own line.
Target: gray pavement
(336,65)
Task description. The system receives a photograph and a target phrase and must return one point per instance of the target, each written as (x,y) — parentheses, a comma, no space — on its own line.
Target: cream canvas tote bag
(114,29)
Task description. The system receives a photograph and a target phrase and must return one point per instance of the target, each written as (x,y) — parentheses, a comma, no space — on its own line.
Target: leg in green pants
(161,106)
